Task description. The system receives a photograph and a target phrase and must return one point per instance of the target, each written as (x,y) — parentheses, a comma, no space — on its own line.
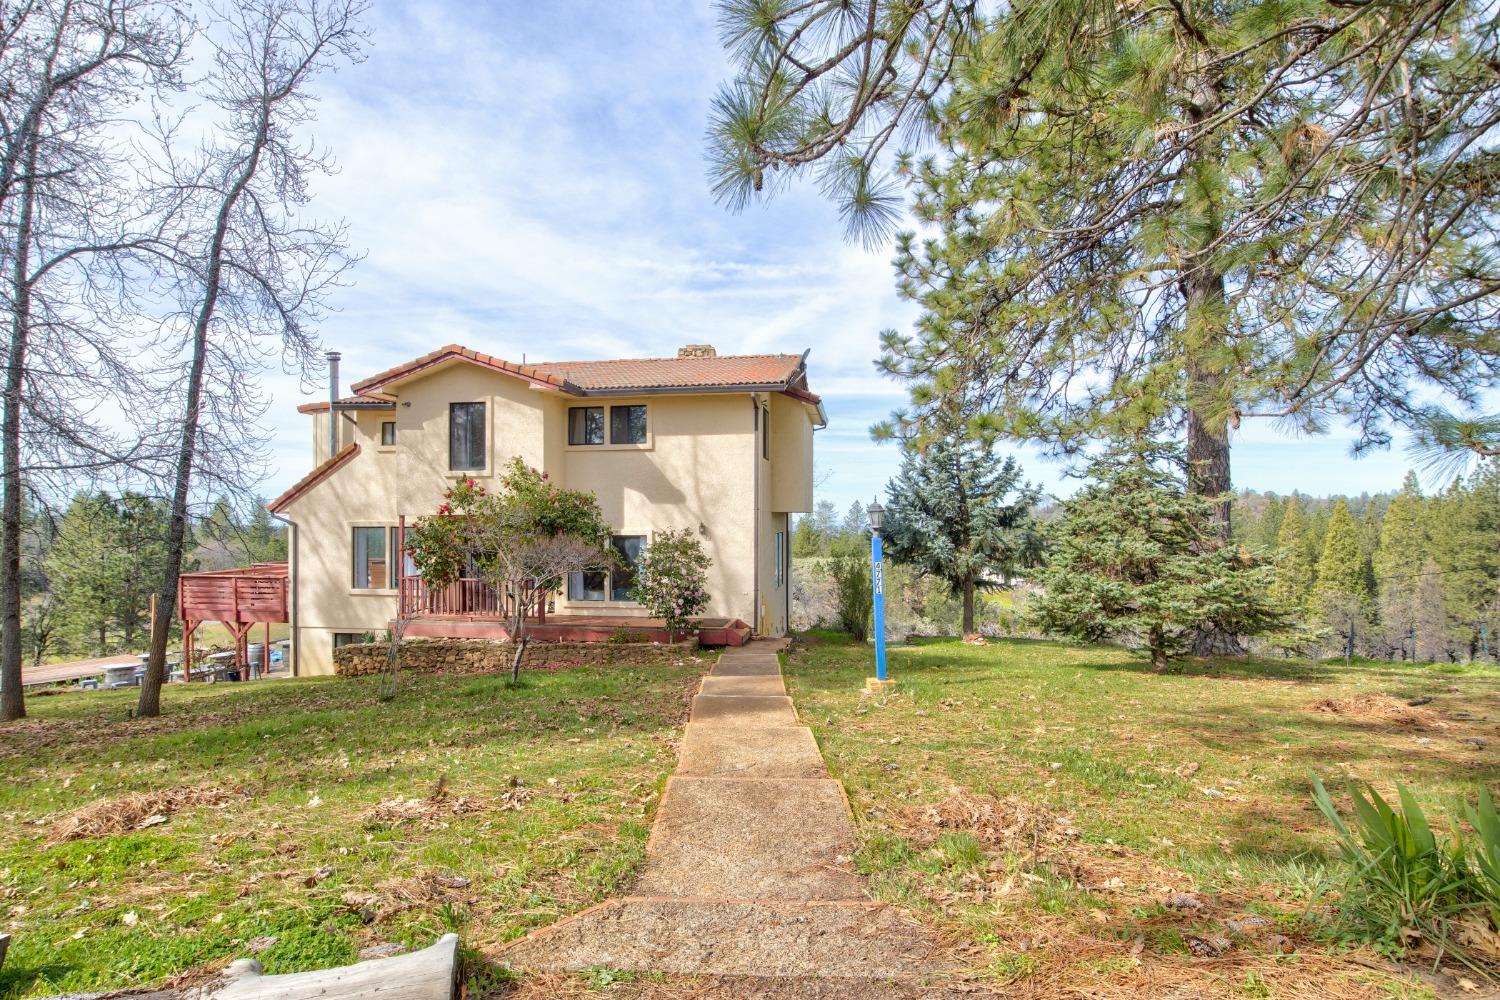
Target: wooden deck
(240,599)
(575,628)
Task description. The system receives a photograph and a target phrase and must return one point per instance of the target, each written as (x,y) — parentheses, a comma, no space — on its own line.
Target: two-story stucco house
(719,445)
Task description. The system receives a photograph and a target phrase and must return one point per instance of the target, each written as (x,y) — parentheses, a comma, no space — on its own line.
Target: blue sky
(528,179)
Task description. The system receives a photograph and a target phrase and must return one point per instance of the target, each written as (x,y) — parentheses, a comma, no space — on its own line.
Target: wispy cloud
(529,179)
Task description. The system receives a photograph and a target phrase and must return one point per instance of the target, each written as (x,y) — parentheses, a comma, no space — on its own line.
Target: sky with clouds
(528,179)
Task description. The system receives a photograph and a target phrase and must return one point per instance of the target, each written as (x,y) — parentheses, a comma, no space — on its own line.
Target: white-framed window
(611,585)
(373,549)
(780,559)
(388,433)
(466,437)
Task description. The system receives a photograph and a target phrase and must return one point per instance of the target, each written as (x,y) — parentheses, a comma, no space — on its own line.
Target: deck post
(188,628)
(265,652)
(400,556)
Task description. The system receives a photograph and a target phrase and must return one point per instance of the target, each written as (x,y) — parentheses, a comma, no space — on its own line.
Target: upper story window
(387,433)
(765,433)
(627,424)
(586,425)
(466,436)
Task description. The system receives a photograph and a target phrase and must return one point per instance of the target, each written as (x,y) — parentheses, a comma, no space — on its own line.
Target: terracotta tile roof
(313,478)
(373,401)
(459,352)
(770,370)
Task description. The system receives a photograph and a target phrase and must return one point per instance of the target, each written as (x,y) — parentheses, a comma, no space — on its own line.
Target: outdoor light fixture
(876,514)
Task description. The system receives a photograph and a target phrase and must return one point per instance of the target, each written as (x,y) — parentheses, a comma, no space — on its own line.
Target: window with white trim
(614,584)
(466,437)
(780,559)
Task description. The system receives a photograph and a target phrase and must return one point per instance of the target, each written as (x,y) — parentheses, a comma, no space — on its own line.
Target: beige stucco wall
(791,455)
(694,474)
(361,492)
(697,472)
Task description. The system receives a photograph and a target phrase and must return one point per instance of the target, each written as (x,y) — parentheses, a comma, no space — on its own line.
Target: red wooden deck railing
(465,598)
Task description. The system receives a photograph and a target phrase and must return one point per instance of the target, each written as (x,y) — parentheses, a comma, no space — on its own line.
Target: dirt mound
(140,811)
(1011,824)
(1380,708)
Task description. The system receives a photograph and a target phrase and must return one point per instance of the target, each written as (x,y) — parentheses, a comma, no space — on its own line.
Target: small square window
(349,638)
(586,425)
(388,433)
(627,425)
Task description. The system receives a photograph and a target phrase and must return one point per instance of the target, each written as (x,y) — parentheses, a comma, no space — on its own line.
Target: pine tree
(141,541)
(1131,556)
(1399,558)
(1340,598)
(1147,216)
(1434,631)
(1270,524)
(958,512)
(1293,559)
(806,542)
(87,569)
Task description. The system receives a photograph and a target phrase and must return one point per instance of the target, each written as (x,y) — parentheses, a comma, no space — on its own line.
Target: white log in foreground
(429,974)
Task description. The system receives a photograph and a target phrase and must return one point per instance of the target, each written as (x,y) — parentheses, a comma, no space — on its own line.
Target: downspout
(292,537)
(755,615)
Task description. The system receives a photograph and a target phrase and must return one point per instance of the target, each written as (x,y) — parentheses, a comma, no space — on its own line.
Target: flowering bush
(523,540)
(671,580)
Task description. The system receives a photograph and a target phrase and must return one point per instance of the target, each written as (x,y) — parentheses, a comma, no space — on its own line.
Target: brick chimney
(697,351)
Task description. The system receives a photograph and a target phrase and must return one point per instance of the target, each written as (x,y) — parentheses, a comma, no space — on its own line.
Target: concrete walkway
(749,868)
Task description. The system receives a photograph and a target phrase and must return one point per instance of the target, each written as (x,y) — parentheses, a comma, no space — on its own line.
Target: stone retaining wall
(488,656)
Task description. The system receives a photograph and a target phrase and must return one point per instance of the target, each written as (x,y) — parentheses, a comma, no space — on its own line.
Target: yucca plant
(1406,883)
(1486,823)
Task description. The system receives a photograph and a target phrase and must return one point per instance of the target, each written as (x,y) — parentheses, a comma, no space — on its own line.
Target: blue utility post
(877,578)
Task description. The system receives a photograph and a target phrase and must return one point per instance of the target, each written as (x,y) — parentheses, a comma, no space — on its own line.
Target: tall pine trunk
(1205,318)
(968,624)
(166,600)
(12,698)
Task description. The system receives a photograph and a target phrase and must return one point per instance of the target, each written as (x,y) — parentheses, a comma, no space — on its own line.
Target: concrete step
(768,684)
(722,751)
(844,941)
(743,710)
(751,838)
(746,666)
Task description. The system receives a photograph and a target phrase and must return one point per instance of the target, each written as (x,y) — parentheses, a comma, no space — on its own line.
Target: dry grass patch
(140,811)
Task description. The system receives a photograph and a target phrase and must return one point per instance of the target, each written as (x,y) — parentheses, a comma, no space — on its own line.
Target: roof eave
(313,478)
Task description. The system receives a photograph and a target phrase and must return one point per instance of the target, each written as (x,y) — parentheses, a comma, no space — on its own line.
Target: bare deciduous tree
(250,275)
(71,71)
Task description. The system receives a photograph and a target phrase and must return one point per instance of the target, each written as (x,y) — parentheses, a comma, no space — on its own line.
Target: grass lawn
(288,853)
(1084,827)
